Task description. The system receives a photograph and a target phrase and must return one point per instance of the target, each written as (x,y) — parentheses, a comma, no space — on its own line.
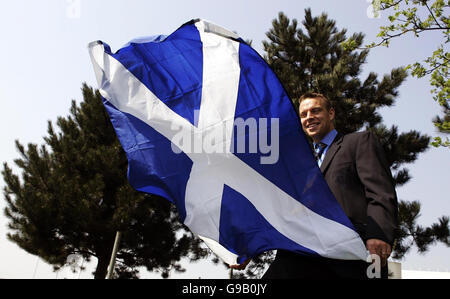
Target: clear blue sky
(45,60)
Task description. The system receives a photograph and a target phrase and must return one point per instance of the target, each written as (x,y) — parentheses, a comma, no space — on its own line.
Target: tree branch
(387,6)
(431,13)
(389,36)
(427,72)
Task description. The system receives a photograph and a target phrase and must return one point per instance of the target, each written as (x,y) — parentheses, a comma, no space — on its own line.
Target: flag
(207,124)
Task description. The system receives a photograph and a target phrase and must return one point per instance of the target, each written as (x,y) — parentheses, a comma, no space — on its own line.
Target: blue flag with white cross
(206,124)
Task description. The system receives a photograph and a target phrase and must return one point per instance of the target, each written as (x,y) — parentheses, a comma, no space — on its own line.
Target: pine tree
(314,59)
(73,196)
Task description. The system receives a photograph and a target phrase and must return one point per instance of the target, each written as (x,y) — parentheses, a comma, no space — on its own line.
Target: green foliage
(411,233)
(74,195)
(417,17)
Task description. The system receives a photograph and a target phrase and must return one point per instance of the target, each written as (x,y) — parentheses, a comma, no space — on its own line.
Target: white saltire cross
(212,170)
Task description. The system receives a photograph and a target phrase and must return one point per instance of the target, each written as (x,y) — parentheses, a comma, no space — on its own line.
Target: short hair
(315,95)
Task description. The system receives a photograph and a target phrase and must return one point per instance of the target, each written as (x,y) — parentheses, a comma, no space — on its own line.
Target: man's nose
(309,115)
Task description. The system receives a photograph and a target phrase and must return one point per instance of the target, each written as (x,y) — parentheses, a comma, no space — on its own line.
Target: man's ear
(331,113)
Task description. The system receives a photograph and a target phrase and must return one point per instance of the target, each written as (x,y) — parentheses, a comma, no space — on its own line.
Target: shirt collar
(328,139)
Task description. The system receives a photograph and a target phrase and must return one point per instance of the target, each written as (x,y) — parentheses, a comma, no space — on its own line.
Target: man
(358,175)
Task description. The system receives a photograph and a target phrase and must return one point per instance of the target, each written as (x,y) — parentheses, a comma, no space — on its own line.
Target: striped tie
(318,150)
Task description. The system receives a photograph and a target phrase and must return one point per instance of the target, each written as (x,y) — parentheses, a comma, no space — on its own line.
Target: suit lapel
(334,147)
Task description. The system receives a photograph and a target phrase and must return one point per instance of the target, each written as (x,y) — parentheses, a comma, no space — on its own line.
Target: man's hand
(241,266)
(380,248)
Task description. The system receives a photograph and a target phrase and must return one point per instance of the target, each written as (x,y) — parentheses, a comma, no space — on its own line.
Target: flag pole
(113,256)
(231,273)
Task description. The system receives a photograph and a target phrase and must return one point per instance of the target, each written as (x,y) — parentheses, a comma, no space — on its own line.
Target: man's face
(316,121)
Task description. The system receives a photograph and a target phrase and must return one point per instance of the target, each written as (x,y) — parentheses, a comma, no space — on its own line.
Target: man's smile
(313,125)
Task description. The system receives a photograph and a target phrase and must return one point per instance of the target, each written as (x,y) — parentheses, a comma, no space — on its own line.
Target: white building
(398,273)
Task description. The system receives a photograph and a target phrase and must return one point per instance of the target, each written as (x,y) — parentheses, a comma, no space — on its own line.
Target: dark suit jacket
(358,174)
